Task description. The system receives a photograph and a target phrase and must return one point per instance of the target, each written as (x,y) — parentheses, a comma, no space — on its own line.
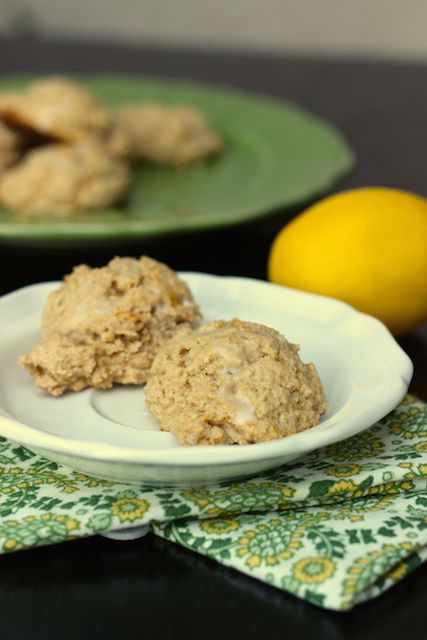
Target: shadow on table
(99,588)
(415,345)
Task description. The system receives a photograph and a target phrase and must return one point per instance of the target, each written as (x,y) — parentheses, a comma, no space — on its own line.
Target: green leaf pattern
(337,527)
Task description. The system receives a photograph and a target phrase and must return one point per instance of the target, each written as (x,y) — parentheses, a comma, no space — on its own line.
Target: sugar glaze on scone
(233,382)
(104,326)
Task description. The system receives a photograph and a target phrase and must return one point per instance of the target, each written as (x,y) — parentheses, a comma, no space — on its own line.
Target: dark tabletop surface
(97,588)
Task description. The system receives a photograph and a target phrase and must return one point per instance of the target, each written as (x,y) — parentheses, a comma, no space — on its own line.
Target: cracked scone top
(11,143)
(104,326)
(174,136)
(60,179)
(233,382)
(59,108)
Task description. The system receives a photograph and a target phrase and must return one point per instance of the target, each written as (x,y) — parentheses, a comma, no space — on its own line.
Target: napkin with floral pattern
(337,527)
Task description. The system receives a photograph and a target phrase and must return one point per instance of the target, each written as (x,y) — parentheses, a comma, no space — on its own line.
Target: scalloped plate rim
(298,444)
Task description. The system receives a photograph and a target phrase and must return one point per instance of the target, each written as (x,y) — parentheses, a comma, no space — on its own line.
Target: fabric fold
(336,527)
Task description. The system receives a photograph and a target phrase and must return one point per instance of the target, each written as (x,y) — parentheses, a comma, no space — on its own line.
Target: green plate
(277,155)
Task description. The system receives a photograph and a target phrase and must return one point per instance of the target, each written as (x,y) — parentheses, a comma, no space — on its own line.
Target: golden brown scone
(11,143)
(118,142)
(233,382)
(61,179)
(58,108)
(104,326)
(174,136)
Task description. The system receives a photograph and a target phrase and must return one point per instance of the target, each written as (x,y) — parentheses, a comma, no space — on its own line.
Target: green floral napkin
(336,527)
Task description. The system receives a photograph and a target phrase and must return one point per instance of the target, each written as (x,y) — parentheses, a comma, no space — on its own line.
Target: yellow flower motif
(398,572)
(344,470)
(372,491)
(313,570)
(421,447)
(81,477)
(91,482)
(240,498)
(219,525)
(202,502)
(129,509)
(10,544)
(402,425)
(409,399)
(296,544)
(253,561)
(374,561)
(247,538)
(350,585)
(420,471)
(287,491)
(407,545)
(269,543)
(364,445)
(343,486)
(406,486)
(375,504)
(388,488)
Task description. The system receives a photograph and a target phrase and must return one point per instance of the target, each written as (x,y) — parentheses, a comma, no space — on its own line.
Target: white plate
(112,435)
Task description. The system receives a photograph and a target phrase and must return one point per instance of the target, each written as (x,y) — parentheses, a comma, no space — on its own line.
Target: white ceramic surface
(112,435)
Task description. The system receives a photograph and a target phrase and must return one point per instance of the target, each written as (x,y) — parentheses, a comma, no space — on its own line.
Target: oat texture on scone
(63,179)
(174,136)
(233,382)
(59,108)
(103,326)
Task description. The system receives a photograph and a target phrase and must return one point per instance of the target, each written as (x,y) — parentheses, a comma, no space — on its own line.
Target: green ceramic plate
(276,156)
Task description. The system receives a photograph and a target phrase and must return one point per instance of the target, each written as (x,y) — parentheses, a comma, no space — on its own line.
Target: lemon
(367,247)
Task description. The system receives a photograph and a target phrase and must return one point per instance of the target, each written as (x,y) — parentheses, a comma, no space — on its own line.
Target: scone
(61,179)
(174,136)
(58,108)
(11,143)
(233,382)
(104,326)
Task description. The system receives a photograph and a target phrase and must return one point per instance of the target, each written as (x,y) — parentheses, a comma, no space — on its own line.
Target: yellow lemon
(367,247)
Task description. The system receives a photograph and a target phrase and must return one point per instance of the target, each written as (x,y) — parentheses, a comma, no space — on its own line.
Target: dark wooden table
(96,588)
